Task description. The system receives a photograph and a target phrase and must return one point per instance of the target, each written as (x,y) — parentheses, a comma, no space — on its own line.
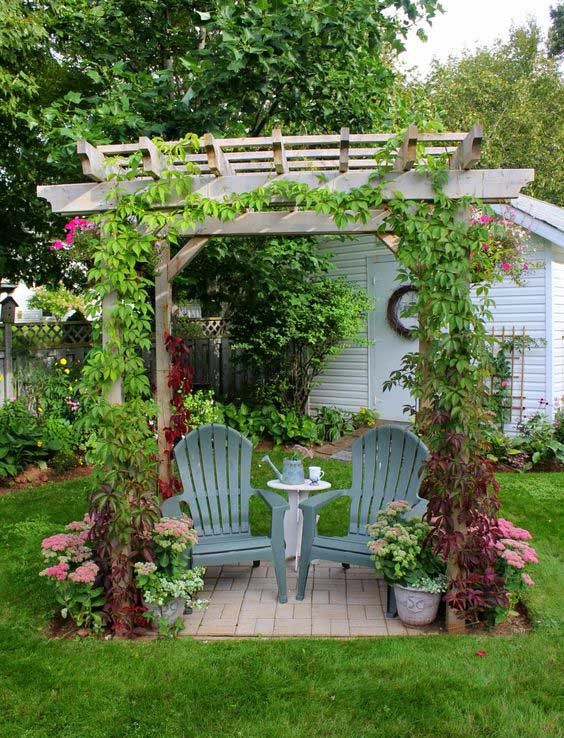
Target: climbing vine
(445,248)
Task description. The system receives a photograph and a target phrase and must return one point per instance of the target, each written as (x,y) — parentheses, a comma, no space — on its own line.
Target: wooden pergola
(231,166)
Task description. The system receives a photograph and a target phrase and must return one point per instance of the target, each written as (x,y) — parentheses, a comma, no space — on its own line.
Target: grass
(399,687)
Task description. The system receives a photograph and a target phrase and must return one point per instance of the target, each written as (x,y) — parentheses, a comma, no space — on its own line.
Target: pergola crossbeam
(491,185)
(279,152)
(153,163)
(217,163)
(344,150)
(468,153)
(280,223)
(407,153)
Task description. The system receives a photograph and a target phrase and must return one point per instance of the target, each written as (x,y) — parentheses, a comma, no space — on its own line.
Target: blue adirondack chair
(387,463)
(215,467)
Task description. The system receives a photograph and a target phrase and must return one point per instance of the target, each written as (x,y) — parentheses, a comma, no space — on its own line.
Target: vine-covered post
(163,313)
(114,393)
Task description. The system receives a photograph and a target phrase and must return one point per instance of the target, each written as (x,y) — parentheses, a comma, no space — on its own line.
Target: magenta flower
(504,383)
(485,219)
(486,246)
(506,266)
(525,267)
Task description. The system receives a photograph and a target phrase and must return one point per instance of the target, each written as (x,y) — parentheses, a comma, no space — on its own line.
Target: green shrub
(203,408)
(21,439)
(63,461)
(365,417)
(333,423)
(538,439)
(289,427)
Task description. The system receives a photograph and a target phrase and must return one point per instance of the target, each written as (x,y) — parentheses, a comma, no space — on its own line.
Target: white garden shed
(354,378)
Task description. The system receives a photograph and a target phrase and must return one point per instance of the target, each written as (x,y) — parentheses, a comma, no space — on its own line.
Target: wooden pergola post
(163,314)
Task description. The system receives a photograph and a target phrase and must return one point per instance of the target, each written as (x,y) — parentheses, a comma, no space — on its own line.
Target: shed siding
(526,307)
(344,384)
(557,325)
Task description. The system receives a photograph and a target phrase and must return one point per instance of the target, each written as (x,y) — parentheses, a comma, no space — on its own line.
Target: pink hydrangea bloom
(85,574)
(58,572)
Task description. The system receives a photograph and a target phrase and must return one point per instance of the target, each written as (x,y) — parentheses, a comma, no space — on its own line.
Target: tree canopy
(118,69)
(516,90)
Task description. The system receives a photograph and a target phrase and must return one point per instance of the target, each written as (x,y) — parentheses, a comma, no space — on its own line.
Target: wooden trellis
(230,166)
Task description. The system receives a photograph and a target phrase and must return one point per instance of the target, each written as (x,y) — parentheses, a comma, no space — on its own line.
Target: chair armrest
(418,510)
(171,508)
(273,500)
(323,498)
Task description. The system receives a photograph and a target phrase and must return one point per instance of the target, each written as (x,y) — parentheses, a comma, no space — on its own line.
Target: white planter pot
(171,610)
(415,606)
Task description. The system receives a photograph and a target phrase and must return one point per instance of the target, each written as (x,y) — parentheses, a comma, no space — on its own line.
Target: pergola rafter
(231,166)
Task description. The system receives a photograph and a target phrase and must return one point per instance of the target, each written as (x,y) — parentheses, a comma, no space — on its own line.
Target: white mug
(316,474)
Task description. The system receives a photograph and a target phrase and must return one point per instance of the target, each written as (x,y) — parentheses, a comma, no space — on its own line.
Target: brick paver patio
(338,603)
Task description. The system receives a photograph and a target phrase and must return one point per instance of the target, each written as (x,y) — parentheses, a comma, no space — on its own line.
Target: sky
(467,22)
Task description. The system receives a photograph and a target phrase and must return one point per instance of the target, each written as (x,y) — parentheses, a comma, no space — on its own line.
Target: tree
(556,31)
(124,68)
(515,89)
(286,313)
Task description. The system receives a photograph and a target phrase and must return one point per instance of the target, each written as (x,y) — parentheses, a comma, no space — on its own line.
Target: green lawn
(393,687)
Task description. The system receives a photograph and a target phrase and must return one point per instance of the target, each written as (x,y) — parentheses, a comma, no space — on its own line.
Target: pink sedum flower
(58,572)
(85,574)
(527,580)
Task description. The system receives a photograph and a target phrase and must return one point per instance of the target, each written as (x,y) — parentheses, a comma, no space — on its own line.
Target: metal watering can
(292,470)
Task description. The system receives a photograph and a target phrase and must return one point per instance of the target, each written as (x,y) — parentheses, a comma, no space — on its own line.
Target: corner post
(163,313)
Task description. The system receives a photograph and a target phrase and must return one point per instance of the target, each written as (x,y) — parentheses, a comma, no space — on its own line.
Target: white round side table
(293,519)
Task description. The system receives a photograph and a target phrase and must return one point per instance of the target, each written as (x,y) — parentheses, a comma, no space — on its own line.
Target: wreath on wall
(393,312)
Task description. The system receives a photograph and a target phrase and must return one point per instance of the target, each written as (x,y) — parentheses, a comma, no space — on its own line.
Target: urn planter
(171,610)
(415,606)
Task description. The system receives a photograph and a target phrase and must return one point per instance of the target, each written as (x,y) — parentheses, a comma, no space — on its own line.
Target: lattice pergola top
(278,154)
(340,162)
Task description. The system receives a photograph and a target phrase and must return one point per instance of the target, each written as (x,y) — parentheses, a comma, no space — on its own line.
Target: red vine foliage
(462,494)
(180,383)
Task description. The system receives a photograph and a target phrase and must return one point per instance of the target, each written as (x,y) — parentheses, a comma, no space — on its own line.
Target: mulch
(33,476)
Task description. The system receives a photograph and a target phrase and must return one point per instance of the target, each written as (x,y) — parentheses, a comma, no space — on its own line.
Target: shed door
(387,348)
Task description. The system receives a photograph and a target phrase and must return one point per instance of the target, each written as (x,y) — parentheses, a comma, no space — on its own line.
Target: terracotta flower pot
(415,606)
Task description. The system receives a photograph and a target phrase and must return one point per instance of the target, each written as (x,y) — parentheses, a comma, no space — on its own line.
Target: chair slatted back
(387,463)
(214,462)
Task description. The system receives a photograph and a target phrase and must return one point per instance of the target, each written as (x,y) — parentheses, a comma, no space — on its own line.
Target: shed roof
(538,216)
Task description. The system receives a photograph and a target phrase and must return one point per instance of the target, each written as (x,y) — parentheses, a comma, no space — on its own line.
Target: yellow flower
(63,362)
(40,443)
(70,387)
(40,409)
(67,371)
